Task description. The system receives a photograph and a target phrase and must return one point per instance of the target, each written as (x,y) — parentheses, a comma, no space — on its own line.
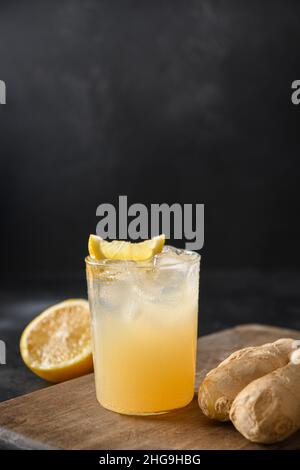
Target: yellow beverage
(144,323)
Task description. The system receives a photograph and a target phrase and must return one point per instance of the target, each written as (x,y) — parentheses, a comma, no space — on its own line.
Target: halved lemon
(57,345)
(121,250)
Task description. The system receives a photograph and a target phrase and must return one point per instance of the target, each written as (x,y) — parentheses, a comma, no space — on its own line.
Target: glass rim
(108,263)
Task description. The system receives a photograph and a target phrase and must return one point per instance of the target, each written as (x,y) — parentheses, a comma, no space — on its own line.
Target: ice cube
(118,296)
(171,256)
(130,309)
(163,282)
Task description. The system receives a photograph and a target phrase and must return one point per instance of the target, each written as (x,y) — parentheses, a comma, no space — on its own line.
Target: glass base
(150,413)
(153,413)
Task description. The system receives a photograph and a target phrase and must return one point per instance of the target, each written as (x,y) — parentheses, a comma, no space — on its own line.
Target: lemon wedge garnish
(56,345)
(120,250)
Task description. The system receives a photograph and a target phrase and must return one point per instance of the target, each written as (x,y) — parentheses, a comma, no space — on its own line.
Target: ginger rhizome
(268,409)
(221,385)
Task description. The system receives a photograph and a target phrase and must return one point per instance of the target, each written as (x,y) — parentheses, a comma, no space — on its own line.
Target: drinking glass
(144,327)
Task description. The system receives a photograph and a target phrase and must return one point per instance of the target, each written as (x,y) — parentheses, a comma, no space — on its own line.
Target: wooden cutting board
(67,415)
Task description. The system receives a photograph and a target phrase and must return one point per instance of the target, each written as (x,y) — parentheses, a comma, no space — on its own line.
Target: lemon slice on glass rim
(100,249)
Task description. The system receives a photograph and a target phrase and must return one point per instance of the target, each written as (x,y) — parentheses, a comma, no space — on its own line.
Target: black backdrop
(166,101)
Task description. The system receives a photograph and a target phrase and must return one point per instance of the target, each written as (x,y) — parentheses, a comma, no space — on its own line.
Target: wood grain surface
(67,415)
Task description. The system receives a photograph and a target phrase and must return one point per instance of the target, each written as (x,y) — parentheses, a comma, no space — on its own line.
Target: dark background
(167,101)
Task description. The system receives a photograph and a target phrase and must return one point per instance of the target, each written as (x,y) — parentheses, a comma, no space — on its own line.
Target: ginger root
(222,384)
(268,409)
